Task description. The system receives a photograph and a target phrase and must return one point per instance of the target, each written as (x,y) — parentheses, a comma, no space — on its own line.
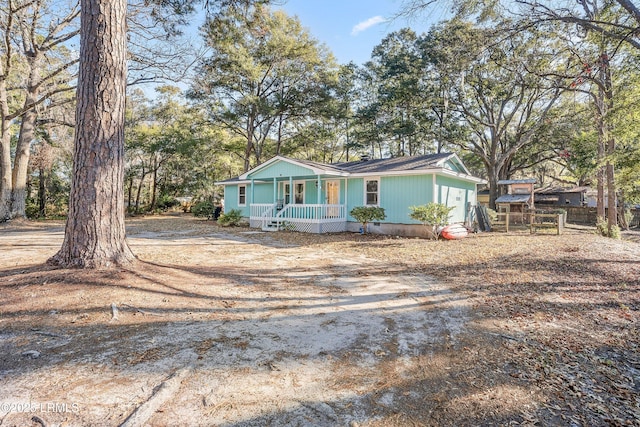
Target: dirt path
(216,329)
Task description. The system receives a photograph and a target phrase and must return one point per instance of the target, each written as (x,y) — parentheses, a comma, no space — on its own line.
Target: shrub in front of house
(434,216)
(367,214)
(231,218)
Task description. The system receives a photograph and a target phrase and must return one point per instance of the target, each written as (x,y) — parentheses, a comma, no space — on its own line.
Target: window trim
(365,192)
(240,195)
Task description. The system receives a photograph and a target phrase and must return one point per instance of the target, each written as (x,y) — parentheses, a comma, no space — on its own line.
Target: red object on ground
(454,232)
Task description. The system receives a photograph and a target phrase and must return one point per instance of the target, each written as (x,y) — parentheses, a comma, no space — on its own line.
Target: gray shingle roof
(393,164)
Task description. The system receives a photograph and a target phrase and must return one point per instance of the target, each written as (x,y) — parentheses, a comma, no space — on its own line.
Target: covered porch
(306,218)
(306,204)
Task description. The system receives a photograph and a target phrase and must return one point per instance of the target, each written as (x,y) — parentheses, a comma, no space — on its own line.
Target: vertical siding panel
(230,197)
(397,193)
(263,193)
(355,188)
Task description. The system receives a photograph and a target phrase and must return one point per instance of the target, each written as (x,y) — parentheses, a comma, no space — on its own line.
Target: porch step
(270,227)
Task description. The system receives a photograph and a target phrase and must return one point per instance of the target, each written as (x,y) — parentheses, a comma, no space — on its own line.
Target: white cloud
(364,25)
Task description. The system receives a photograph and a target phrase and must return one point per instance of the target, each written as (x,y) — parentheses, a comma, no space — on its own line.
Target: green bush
(432,215)
(231,218)
(367,214)
(166,202)
(603,229)
(202,208)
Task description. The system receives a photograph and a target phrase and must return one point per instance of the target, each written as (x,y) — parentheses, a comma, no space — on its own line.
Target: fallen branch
(45,333)
(165,391)
(150,313)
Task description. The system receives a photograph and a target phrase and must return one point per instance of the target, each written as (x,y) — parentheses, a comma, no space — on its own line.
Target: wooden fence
(535,221)
(588,216)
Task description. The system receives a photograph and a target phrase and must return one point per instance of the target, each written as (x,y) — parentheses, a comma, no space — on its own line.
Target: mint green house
(317,198)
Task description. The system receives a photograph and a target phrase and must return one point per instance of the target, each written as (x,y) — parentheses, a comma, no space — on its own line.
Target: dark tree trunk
(129,190)
(42,192)
(154,186)
(95,230)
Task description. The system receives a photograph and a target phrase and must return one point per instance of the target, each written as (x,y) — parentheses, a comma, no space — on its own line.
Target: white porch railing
(257,210)
(317,218)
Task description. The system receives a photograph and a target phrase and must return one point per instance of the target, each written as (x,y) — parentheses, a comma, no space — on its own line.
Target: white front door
(285,192)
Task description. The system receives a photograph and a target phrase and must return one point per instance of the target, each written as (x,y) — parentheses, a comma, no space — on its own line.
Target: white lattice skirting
(306,226)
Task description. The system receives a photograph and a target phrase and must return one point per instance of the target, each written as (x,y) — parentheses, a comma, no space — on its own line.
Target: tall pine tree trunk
(95,230)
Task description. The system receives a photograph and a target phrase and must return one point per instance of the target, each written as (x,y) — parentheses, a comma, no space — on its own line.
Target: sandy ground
(212,328)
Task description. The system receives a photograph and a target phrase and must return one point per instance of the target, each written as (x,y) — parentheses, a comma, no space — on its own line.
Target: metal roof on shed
(513,198)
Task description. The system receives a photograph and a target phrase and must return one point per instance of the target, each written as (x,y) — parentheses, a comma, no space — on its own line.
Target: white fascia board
(436,171)
(240,181)
(314,170)
(261,166)
(457,159)
(460,175)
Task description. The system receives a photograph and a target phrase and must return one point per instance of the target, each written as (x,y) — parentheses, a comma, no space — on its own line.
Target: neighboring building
(519,195)
(559,196)
(483,197)
(518,200)
(317,198)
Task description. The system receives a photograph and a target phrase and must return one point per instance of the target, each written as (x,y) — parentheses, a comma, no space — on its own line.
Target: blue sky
(352,28)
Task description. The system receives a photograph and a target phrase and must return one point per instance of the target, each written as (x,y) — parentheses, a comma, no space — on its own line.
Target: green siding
(262,193)
(231,199)
(455,192)
(280,169)
(354,190)
(398,193)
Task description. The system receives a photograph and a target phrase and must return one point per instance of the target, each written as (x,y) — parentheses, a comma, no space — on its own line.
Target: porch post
(275,190)
(251,195)
(292,194)
(319,191)
(346,200)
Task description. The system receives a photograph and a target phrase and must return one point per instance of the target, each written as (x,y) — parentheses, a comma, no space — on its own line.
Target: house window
(242,195)
(371,192)
(299,193)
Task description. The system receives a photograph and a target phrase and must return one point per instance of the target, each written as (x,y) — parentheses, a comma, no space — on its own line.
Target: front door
(285,191)
(333,198)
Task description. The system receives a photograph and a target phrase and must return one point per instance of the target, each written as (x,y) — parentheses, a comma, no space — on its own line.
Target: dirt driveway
(229,329)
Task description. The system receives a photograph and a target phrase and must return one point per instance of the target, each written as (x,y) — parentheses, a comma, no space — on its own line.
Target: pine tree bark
(95,229)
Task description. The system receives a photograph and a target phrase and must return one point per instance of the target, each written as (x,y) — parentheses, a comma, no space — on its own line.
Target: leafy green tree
(434,216)
(265,75)
(403,97)
(171,150)
(608,26)
(367,214)
(494,94)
